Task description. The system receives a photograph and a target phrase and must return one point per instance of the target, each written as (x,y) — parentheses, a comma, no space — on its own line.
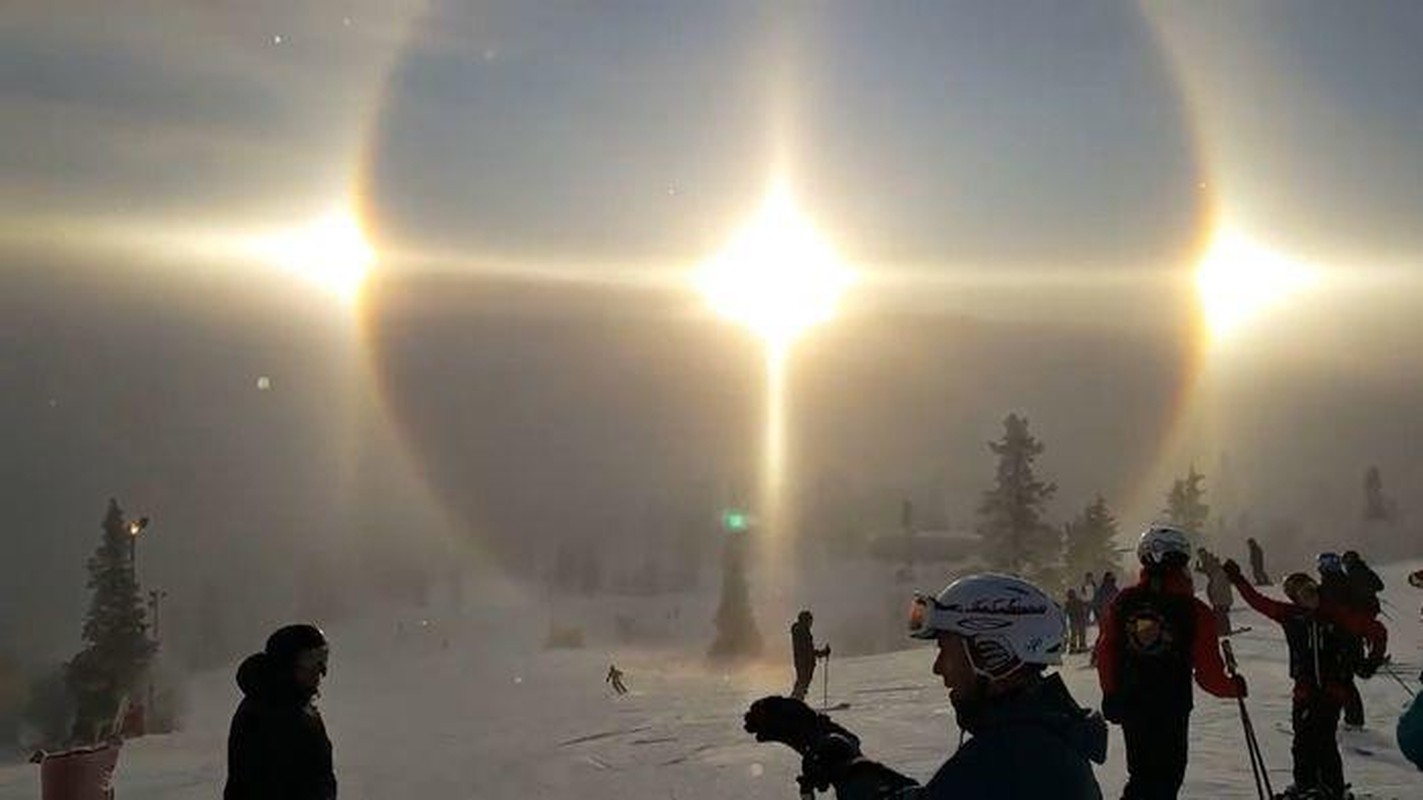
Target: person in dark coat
(1257,562)
(1336,591)
(1155,637)
(1076,609)
(996,636)
(1364,584)
(1321,640)
(277,747)
(804,653)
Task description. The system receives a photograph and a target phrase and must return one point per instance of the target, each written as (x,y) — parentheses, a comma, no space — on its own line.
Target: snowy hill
(492,715)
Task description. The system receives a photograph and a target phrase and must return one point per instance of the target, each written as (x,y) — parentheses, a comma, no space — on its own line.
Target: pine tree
(736,633)
(1090,541)
(1015,536)
(1185,503)
(117,648)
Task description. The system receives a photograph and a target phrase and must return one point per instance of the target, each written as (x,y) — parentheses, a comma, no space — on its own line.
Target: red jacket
(1208,669)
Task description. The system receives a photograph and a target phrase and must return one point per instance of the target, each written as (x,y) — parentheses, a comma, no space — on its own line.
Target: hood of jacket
(1045,704)
(260,679)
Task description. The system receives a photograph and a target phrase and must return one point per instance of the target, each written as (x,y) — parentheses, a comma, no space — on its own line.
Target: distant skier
(1106,593)
(1089,593)
(1217,589)
(804,653)
(277,746)
(615,677)
(1321,641)
(1077,611)
(1155,635)
(996,635)
(1257,562)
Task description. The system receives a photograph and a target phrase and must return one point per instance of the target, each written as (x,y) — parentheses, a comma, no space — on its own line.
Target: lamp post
(155,598)
(135,527)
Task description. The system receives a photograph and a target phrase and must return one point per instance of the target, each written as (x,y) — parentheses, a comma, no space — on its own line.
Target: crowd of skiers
(998,634)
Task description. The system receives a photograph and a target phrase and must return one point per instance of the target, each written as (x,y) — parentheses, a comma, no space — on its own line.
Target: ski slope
(492,715)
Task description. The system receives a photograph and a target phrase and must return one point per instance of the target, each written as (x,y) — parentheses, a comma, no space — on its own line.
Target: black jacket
(802,646)
(1033,745)
(277,748)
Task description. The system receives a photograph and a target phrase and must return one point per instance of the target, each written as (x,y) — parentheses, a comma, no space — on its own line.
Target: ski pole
(1389,669)
(825,686)
(1252,744)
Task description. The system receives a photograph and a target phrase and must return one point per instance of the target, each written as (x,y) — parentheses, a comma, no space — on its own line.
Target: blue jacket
(1036,744)
(1410,733)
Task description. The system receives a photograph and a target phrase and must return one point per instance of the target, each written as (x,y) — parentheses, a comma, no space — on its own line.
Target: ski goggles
(927,616)
(1330,562)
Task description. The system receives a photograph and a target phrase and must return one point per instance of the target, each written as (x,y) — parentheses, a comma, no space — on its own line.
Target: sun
(330,252)
(1239,280)
(778,275)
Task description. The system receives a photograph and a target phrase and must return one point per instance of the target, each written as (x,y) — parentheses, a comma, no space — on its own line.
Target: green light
(735,521)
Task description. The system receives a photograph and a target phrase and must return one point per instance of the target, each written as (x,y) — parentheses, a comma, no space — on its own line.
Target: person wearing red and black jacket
(1321,637)
(1155,637)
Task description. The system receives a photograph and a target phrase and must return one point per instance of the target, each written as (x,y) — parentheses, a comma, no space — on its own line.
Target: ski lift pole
(1252,744)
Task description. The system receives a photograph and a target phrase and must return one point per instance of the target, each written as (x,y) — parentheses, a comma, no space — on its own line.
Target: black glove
(1241,690)
(1112,708)
(825,651)
(1369,666)
(826,758)
(1232,570)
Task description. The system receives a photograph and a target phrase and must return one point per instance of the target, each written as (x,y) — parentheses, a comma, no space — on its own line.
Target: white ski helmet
(1007,620)
(1160,541)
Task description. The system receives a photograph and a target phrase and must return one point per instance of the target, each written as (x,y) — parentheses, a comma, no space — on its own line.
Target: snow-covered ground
(492,715)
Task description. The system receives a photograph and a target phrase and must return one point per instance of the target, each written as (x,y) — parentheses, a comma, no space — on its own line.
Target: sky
(1023,189)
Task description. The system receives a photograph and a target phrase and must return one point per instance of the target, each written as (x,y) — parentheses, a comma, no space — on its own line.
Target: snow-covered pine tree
(1015,536)
(117,649)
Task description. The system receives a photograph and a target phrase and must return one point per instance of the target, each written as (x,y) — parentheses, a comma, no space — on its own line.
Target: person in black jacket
(996,636)
(277,748)
(804,653)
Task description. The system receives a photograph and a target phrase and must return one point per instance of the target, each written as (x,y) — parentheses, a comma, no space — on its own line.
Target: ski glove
(1232,570)
(1370,666)
(1241,690)
(793,723)
(1112,708)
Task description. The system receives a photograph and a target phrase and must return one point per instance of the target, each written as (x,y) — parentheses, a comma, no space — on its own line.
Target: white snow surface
(493,715)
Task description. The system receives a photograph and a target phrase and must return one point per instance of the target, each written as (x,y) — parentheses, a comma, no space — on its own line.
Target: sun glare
(778,276)
(330,252)
(1239,280)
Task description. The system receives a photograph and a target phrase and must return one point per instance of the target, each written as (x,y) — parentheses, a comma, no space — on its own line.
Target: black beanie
(287,642)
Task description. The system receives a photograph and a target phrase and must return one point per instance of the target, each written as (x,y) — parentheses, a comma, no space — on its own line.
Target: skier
(1154,636)
(277,746)
(1410,731)
(1106,593)
(1257,562)
(615,677)
(1076,609)
(1322,662)
(1336,591)
(1364,583)
(1217,588)
(1089,594)
(996,635)
(804,653)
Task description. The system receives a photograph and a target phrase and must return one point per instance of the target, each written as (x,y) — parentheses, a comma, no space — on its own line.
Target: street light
(135,527)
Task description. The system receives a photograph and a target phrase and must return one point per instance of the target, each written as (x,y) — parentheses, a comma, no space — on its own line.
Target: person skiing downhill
(1154,637)
(1321,639)
(996,636)
(615,677)
(804,653)
(277,748)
